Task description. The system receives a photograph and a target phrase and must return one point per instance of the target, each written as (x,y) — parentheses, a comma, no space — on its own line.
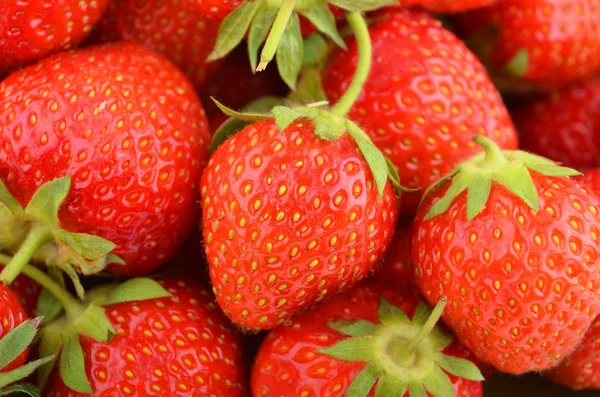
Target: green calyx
(34,232)
(509,168)
(400,354)
(519,64)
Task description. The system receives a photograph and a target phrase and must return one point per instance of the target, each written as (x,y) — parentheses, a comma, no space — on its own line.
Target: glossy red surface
(11,315)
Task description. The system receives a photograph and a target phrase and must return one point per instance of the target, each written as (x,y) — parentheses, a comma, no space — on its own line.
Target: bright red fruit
(217,10)
(426,96)
(11,315)
(397,263)
(33,29)
(447,6)
(513,244)
(564,126)
(291,360)
(28,292)
(545,42)
(175,346)
(128,127)
(288,219)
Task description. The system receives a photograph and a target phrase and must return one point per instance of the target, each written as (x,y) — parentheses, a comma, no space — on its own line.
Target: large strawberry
(178,30)
(397,263)
(175,346)
(33,29)
(544,42)
(564,126)
(425,97)
(513,245)
(591,180)
(121,128)
(364,342)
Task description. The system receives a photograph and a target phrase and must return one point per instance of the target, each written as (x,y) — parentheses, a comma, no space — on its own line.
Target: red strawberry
(513,245)
(312,354)
(177,30)
(27,291)
(181,345)
(217,10)
(397,264)
(290,218)
(447,6)
(11,315)
(591,180)
(546,42)
(33,29)
(564,126)
(126,124)
(425,97)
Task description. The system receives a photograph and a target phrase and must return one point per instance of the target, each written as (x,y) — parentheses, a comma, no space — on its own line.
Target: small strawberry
(425,96)
(397,263)
(33,29)
(118,133)
(563,126)
(11,316)
(174,346)
(545,42)
(177,30)
(513,245)
(361,343)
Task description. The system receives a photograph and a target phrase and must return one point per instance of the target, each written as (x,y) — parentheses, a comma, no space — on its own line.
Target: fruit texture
(397,263)
(425,97)
(11,315)
(289,219)
(126,124)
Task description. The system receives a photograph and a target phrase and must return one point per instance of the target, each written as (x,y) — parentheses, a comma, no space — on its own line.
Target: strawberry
(28,292)
(125,129)
(181,345)
(425,96)
(447,6)
(33,29)
(177,30)
(564,126)
(11,315)
(512,243)
(217,10)
(549,43)
(330,349)
(397,264)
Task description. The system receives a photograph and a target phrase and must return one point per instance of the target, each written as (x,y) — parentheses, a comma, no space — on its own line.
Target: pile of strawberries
(298,198)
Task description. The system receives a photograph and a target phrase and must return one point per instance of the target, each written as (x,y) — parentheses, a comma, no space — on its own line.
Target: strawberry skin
(217,10)
(288,219)
(521,285)
(397,264)
(176,346)
(11,315)
(27,291)
(177,30)
(447,6)
(425,97)
(33,29)
(564,126)
(591,180)
(128,127)
(289,362)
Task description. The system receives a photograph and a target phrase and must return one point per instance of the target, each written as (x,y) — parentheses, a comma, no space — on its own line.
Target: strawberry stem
(365,57)
(493,155)
(427,327)
(279,26)
(36,238)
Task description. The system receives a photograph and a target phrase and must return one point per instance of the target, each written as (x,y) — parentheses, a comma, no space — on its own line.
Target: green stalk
(365,58)
(279,26)
(36,238)
(427,328)
(493,155)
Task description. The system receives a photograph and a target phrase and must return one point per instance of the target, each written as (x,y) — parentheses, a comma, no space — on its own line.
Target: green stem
(279,26)
(427,328)
(36,238)
(365,57)
(493,155)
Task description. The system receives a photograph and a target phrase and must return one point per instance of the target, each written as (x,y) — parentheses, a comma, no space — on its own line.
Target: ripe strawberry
(312,354)
(28,292)
(545,42)
(591,180)
(181,345)
(177,30)
(397,263)
(290,218)
(31,30)
(217,10)
(564,126)
(11,315)
(447,6)
(515,255)
(128,127)
(425,97)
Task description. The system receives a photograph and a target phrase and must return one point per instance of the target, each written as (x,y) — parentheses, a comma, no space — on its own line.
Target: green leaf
(240,115)
(459,184)
(352,327)
(233,29)
(94,322)
(261,25)
(114,259)
(72,364)
(228,129)
(518,180)
(364,382)
(477,195)
(394,177)
(321,17)
(438,383)
(264,104)
(47,200)
(290,52)
(23,388)
(328,126)
(416,390)
(519,64)
(50,341)
(14,343)
(137,289)
(550,168)
(316,52)
(363,5)
(459,367)
(360,348)
(22,372)
(390,385)
(74,277)
(374,157)
(309,88)
(284,116)
(9,201)
(390,314)
(89,246)
(421,315)
(48,307)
